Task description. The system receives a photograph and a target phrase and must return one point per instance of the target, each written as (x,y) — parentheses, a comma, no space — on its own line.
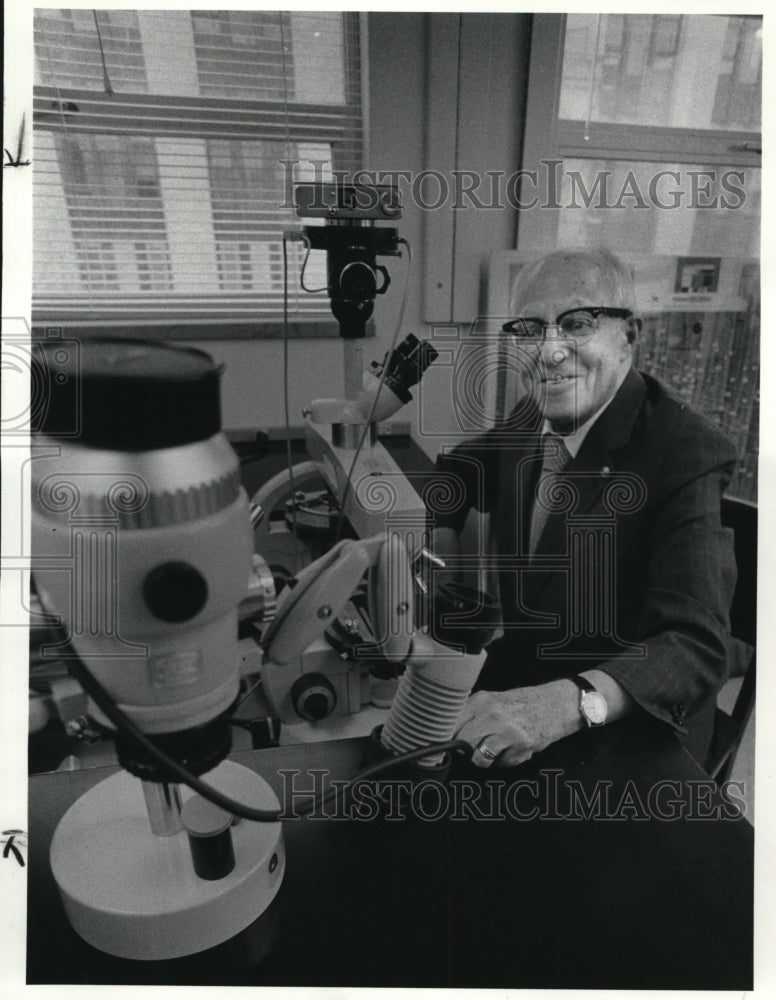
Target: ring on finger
(485,751)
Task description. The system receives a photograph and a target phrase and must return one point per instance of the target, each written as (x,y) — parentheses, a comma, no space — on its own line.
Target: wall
(252,386)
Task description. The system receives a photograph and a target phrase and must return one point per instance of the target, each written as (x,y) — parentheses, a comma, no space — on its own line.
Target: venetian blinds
(166,144)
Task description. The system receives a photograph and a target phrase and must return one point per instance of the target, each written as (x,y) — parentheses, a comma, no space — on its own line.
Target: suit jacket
(633,573)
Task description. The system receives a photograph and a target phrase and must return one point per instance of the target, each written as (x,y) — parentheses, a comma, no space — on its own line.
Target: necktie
(555,458)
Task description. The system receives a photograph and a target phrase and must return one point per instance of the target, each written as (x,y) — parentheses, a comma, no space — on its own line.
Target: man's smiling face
(576,377)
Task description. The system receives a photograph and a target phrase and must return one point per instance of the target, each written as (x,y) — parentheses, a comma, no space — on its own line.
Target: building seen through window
(163,174)
(691,71)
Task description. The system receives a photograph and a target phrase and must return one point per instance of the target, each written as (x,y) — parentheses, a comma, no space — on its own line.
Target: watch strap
(583,684)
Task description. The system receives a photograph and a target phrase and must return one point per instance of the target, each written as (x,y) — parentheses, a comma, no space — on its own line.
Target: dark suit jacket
(633,573)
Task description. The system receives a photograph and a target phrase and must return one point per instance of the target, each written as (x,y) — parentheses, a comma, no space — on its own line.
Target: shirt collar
(573,441)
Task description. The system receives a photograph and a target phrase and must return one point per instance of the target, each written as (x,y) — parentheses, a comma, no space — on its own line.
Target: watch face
(594,708)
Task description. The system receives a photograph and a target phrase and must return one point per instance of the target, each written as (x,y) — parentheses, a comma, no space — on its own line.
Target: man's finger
(488,749)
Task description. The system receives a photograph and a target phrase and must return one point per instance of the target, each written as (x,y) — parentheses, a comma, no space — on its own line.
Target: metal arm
(322,589)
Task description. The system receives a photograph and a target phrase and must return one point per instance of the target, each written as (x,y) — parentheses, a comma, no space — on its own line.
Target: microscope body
(370,491)
(146,556)
(380,502)
(378,492)
(341,433)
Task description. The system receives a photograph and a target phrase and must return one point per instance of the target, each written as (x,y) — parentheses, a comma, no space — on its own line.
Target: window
(644,131)
(643,134)
(166,145)
(646,69)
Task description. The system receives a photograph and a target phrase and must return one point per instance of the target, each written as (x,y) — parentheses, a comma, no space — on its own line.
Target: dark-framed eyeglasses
(574,324)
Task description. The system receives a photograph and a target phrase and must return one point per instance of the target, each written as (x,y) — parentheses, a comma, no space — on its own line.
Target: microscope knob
(175,591)
(313,696)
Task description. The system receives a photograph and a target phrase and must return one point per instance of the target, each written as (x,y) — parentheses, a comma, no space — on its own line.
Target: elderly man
(604,493)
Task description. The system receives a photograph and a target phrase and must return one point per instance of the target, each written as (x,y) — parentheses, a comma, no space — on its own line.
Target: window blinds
(166,147)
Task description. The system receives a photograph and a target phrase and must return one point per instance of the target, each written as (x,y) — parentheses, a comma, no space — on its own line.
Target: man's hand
(516,724)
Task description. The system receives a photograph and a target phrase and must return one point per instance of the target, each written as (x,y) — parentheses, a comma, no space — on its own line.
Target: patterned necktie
(555,458)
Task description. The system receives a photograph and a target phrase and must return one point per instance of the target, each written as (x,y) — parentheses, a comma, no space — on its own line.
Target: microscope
(142,546)
(365,482)
(336,677)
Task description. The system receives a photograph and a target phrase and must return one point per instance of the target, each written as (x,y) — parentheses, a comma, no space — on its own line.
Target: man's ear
(634,324)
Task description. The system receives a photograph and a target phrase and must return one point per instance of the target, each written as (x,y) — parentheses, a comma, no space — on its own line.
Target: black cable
(313,291)
(286,414)
(123,723)
(287,419)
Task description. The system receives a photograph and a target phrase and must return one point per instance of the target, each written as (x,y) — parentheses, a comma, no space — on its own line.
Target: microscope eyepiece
(125,395)
(407,365)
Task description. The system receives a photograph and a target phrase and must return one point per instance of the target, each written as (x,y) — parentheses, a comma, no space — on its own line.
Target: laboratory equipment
(341,433)
(442,662)
(141,544)
(364,486)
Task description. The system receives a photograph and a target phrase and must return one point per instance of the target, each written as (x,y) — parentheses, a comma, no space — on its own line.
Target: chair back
(741,516)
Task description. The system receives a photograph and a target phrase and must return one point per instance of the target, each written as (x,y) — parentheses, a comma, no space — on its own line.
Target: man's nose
(553,351)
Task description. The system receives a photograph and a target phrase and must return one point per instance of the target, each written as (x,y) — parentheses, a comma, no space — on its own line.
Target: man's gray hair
(614,277)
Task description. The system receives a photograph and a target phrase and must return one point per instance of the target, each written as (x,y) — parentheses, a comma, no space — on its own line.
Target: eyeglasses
(574,324)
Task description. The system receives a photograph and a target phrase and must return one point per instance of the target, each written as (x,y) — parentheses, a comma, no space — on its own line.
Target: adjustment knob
(175,592)
(313,697)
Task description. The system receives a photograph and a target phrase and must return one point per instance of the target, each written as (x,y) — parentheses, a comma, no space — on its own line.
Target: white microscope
(335,678)
(142,545)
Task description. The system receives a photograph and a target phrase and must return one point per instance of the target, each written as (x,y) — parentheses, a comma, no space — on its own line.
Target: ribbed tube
(423,711)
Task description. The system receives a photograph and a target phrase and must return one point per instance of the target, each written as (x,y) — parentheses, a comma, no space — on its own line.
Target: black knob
(313,696)
(175,591)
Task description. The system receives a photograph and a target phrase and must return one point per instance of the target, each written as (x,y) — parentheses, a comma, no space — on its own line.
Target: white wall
(252,383)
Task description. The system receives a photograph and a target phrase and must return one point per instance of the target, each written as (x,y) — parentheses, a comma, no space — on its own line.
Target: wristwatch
(592,704)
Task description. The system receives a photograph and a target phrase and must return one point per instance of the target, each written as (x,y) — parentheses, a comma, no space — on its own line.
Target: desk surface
(625,900)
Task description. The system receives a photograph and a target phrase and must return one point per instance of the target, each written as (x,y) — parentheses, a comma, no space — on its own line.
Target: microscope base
(132,894)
